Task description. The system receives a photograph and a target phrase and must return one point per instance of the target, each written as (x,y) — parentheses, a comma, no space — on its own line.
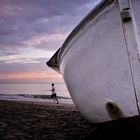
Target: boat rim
(56,59)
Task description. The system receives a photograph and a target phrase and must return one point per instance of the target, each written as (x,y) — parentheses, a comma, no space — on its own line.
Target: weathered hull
(99,62)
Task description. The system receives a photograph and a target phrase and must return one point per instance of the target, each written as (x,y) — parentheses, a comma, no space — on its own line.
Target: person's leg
(57,100)
(52,96)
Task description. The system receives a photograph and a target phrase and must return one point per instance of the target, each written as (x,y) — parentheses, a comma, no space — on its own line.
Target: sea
(33,92)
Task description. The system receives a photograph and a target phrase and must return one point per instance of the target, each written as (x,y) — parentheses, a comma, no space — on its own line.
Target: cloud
(32,30)
(15,66)
(24,19)
(46,41)
(39,8)
(34,76)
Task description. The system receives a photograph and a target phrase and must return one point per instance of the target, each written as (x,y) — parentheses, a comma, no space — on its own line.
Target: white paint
(123,4)
(100,64)
(96,68)
(133,38)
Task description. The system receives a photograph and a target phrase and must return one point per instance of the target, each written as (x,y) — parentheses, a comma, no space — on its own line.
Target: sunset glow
(31,32)
(34,76)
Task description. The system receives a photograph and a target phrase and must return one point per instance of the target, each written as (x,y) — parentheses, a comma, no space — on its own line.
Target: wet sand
(30,121)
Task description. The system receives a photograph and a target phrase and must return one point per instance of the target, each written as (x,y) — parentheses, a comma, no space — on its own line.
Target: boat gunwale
(56,59)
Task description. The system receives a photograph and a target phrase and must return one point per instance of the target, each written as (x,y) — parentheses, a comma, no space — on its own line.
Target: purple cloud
(20,20)
(37,24)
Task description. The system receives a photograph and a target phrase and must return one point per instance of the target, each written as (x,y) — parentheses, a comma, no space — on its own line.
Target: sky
(30,33)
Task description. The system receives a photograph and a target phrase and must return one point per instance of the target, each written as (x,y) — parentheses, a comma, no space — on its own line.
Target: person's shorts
(53,95)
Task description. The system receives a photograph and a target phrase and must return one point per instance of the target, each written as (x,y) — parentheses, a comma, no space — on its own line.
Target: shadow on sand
(120,129)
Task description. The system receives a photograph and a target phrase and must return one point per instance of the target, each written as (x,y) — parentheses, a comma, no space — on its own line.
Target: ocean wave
(34,98)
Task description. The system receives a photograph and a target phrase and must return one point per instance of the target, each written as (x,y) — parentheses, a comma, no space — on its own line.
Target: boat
(100,62)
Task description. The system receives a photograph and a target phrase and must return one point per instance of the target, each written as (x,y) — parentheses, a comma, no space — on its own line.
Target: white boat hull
(99,66)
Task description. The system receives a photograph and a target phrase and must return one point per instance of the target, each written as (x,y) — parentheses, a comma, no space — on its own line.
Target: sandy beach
(26,120)
(50,121)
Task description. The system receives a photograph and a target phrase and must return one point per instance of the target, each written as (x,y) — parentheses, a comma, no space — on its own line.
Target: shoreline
(37,98)
(44,103)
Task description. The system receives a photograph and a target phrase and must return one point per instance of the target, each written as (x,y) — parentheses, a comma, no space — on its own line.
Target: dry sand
(23,121)
(28,121)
